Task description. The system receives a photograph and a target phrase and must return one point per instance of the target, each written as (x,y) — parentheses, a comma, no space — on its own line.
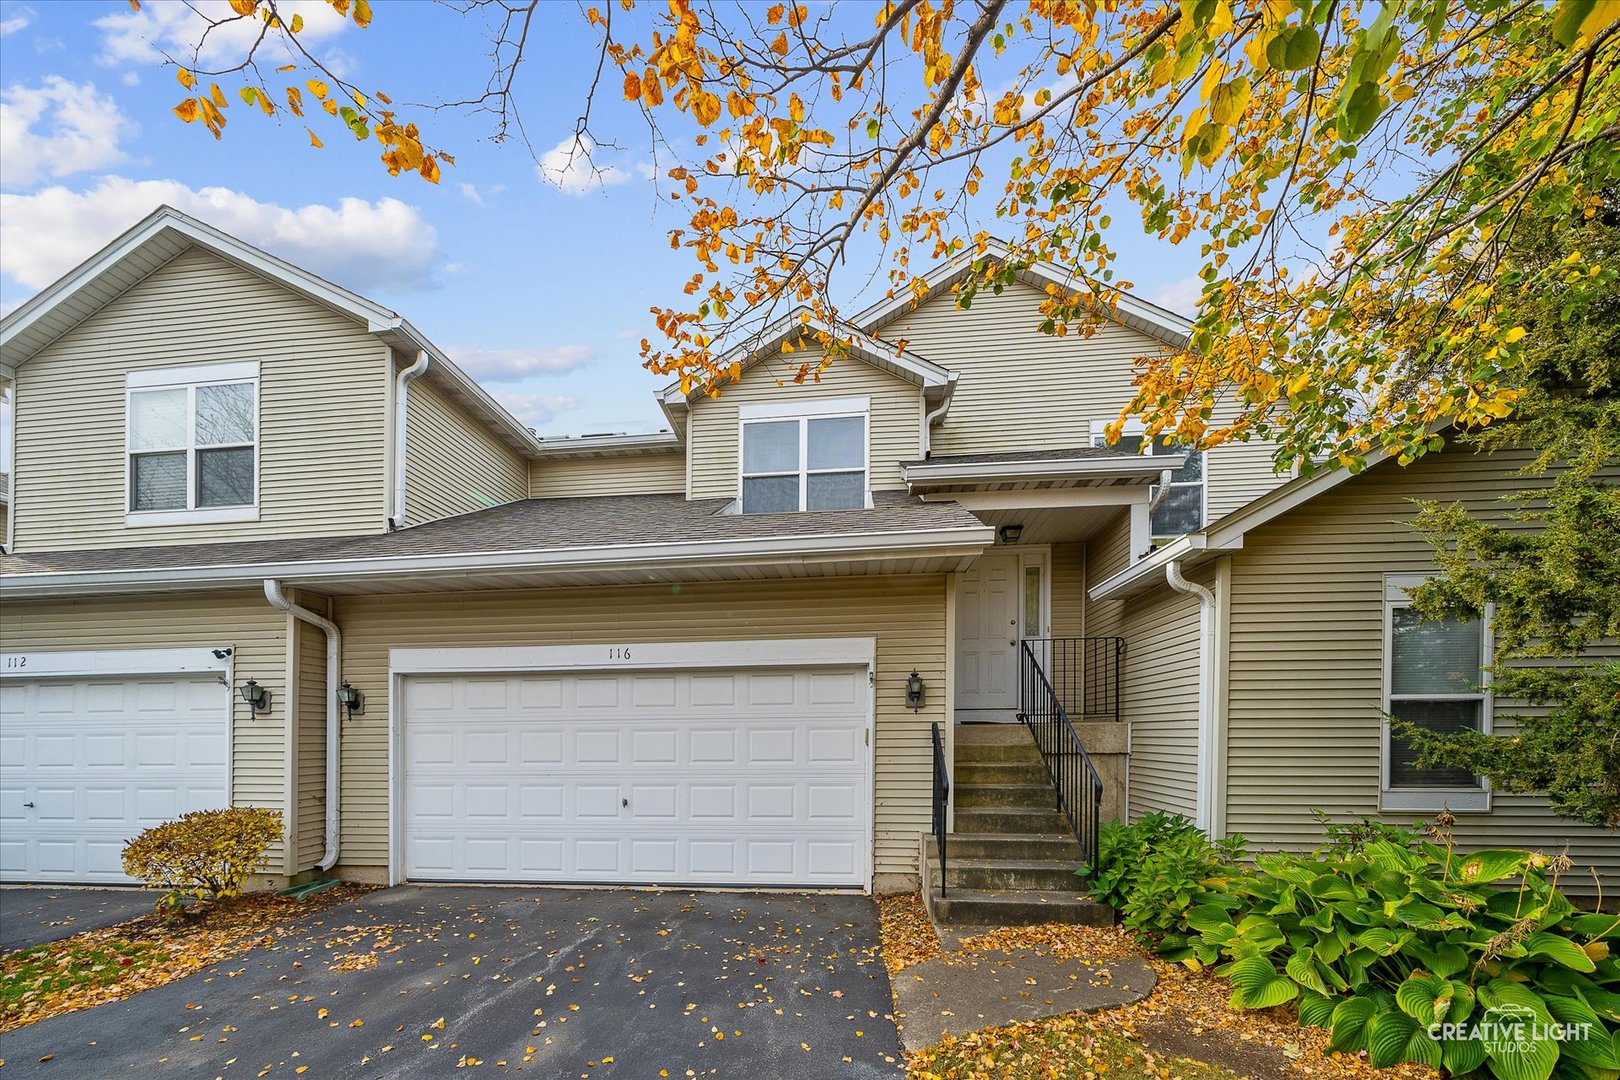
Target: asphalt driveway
(35,914)
(554,983)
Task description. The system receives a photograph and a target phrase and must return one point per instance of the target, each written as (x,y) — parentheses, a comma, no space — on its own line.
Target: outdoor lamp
(1010,533)
(914,690)
(351,699)
(256,696)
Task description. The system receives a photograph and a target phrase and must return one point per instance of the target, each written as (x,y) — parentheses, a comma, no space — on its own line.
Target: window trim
(1134,428)
(803,412)
(189,378)
(1428,799)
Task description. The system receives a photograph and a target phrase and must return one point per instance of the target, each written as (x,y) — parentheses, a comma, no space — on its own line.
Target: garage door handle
(622,802)
(28,805)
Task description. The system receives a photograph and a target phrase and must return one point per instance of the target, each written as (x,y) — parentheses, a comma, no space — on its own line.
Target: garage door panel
(100,759)
(679,778)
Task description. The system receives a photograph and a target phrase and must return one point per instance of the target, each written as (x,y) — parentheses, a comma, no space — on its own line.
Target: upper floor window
(1434,678)
(192,444)
(1181,511)
(804,457)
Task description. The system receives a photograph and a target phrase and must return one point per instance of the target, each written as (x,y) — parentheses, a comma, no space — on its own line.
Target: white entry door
(85,764)
(988,596)
(756,777)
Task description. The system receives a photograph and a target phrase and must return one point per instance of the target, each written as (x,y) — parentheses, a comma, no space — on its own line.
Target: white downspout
(334,714)
(930,417)
(1205,814)
(401,403)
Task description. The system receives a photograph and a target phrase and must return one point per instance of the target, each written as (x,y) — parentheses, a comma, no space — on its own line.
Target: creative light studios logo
(1511,1029)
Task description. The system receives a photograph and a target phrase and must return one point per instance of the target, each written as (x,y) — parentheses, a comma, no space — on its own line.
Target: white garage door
(85,764)
(674,778)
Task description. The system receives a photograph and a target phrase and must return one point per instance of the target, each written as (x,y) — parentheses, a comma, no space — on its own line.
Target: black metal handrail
(942,803)
(1079,787)
(1083,671)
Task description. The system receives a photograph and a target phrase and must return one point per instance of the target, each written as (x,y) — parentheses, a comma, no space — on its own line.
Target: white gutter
(397,519)
(796,550)
(334,715)
(1205,806)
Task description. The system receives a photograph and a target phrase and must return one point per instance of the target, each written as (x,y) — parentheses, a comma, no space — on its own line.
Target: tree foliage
(1351,173)
(1550,574)
(207,854)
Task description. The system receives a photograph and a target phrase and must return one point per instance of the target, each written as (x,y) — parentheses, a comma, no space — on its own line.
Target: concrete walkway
(956,994)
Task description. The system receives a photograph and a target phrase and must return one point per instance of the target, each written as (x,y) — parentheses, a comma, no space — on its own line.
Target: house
(270,546)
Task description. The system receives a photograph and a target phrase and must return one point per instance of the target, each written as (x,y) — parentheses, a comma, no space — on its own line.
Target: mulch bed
(1188,1015)
(52,979)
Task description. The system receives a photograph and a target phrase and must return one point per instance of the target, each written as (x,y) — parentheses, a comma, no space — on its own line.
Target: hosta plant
(1417,952)
(1158,868)
(206,854)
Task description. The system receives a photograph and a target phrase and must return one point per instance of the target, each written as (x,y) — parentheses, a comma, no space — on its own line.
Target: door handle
(624,802)
(28,805)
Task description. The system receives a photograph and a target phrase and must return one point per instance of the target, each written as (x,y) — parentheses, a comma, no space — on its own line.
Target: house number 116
(619,652)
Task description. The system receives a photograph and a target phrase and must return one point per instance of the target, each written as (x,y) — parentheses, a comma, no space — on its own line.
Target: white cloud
(508,365)
(470,193)
(176,31)
(19,19)
(575,166)
(362,245)
(536,409)
(1180,296)
(57,128)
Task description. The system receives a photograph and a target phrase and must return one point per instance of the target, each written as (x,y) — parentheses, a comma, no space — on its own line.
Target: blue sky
(540,289)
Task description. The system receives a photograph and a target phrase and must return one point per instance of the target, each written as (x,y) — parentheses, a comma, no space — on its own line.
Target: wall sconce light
(256,696)
(914,690)
(1010,534)
(351,699)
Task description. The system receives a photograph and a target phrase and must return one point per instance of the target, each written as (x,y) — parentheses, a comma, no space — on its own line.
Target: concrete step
(1051,847)
(1024,753)
(1016,796)
(1003,875)
(991,735)
(1001,772)
(989,907)
(1003,819)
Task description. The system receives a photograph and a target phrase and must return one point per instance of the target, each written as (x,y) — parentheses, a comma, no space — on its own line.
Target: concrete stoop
(1012,859)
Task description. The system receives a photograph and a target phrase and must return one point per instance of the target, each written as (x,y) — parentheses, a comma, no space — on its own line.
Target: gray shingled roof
(527,525)
(5,484)
(1023,455)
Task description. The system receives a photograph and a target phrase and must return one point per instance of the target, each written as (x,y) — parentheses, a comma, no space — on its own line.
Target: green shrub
(1382,941)
(1352,837)
(1157,869)
(206,854)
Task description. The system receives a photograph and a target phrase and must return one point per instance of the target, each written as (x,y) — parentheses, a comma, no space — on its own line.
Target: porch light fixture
(914,690)
(1010,533)
(351,699)
(256,696)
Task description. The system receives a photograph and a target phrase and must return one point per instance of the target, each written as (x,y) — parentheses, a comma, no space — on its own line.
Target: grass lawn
(1073,1047)
(72,966)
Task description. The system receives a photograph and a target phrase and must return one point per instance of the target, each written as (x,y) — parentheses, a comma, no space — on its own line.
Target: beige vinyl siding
(1021,389)
(905,614)
(1068,590)
(453,463)
(896,419)
(1159,700)
(1306,663)
(659,473)
(1107,553)
(309,737)
(322,390)
(239,620)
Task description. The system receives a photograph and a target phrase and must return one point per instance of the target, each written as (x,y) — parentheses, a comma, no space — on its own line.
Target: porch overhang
(1108,475)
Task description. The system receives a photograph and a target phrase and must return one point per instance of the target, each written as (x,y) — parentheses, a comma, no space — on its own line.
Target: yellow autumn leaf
(185,78)
(317,87)
(217,95)
(1515,334)
(297,23)
(187,110)
(244,7)
(796,108)
(632,86)
(314,139)
(321,1014)
(362,14)
(430,170)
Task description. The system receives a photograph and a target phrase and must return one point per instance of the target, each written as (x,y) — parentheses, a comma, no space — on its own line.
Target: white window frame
(1134,428)
(1476,799)
(189,378)
(804,412)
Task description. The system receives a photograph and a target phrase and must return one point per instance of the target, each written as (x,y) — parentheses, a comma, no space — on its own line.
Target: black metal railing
(942,803)
(1083,671)
(1075,778)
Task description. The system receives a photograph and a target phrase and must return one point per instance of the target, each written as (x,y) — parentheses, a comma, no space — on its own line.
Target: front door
(988,596)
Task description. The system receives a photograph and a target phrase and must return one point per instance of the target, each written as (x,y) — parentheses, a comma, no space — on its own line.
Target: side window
(192,439)
(1434,678)
(1181,511)
(803,462)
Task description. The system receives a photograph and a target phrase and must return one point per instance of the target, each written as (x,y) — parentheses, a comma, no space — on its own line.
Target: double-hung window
(1435,678)
(1181,511)
(804,457)
(192,444)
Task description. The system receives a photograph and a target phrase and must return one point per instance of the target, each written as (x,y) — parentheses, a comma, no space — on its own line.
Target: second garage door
(757,777)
